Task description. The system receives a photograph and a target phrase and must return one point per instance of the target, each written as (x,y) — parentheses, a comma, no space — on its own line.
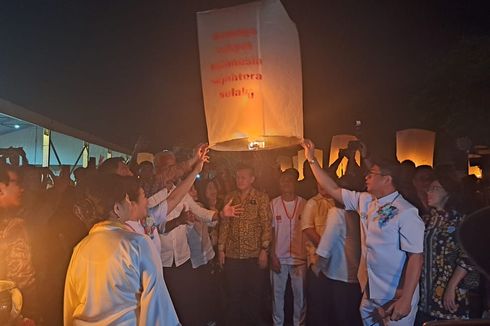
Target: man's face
(11,194)
(375,180)
(287,184)
(123,170)
(166,165)
(244,179)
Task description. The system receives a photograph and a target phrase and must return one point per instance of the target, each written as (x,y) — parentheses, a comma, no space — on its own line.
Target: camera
(354,145)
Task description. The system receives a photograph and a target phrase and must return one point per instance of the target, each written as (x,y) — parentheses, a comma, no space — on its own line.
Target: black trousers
(343,303)
(243,284)
(182,283)
(317,295)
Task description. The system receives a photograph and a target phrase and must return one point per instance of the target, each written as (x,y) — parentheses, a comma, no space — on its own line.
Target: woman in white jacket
(115,275)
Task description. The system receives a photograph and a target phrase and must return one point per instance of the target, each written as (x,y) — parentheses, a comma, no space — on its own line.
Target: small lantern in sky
(416,145)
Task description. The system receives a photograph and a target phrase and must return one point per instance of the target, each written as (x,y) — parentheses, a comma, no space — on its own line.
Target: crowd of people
(162,243)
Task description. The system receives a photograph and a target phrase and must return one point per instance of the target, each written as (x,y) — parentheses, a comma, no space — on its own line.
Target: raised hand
(232,211)
(202,157)
(309,149)
(200,150)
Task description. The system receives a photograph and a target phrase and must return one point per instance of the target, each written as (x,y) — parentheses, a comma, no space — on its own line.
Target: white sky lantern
(251,77)
(416,145)
(302,159)
(339,142)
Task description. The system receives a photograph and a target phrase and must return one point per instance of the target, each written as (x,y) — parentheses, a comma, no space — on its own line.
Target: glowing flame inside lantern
(256,145)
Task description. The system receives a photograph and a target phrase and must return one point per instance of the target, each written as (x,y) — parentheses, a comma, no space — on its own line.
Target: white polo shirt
(384,247)
(288,235)
(174,244)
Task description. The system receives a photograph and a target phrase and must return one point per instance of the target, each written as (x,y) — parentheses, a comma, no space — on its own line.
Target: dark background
(119,69)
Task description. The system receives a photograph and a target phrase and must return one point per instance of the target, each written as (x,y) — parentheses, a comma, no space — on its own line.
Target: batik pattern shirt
(442,255)
(15,253)
(244,236)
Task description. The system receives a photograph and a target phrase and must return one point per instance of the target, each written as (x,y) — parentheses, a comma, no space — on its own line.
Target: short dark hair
(100,193)
(389,167)
(290,172)
(245,166)
(110,165)
(131,187)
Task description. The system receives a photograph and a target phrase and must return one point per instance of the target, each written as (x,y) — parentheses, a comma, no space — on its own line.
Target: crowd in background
(236,246)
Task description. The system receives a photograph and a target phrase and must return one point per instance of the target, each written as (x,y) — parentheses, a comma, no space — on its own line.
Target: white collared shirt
(174,244)
(138,228)
(289,242)
(339,247)
(384,248)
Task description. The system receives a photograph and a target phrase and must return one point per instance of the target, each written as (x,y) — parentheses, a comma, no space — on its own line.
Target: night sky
(123,68)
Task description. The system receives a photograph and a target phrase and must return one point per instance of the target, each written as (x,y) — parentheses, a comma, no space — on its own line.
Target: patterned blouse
(15,253)
(243,237)
(441,257)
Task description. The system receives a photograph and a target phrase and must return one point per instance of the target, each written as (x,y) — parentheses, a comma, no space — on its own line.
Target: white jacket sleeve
(156,307)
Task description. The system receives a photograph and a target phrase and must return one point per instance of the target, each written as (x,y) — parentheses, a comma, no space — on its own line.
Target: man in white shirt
(391,243)
(339,252)
(288,253)
(175,251)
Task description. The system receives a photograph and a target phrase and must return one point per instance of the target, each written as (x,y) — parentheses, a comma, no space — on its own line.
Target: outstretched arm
(321,176)
(183,188)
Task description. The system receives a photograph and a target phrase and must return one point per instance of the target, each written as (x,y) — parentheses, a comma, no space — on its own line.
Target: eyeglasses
(435,188)
(371,173)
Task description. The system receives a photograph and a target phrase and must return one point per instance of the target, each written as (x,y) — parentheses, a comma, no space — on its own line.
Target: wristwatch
(312,161)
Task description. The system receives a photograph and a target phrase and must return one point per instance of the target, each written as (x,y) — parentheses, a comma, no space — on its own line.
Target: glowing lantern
(302,158)
(285,162)
(251,77)
(341,142)
(475,170)
(416,145)
(142,157)
(295,162)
